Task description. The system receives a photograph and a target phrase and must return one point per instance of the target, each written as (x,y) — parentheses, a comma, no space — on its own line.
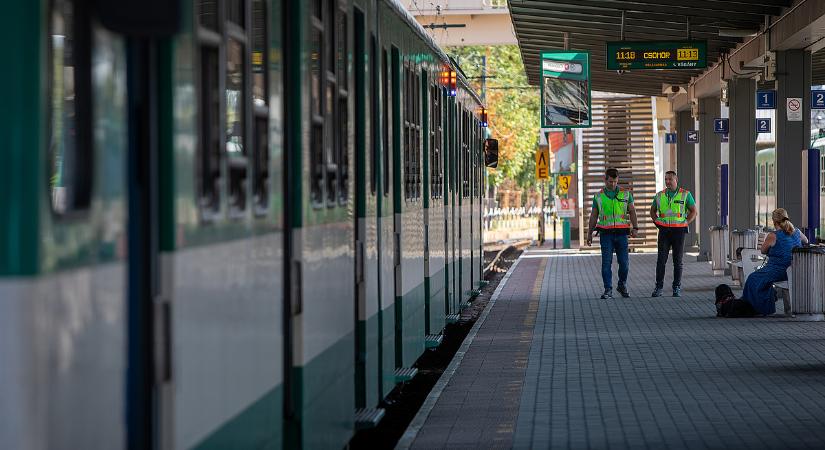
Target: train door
(63,256)
(435,236)
(149,357)
(222,219)
(452,208)
(409,215)
(321,406)
(367,348)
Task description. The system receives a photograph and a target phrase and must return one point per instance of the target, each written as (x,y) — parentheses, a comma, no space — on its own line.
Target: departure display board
(640,55)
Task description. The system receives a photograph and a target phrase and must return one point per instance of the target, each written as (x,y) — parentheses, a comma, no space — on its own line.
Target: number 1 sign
(766,99)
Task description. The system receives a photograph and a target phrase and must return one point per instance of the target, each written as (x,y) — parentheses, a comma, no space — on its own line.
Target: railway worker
(672,210)
(614,217)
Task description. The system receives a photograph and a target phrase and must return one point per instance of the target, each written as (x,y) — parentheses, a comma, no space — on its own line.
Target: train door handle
(359,262)
(162,348)
(397,249)
(297,301)
(427,240)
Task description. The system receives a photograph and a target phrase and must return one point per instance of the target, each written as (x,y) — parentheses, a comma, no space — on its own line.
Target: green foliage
(513,111)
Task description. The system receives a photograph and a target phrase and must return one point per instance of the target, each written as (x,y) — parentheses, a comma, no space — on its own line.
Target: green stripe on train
(258,426)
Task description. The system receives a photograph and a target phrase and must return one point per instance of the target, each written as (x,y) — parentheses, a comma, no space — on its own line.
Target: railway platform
(550,365)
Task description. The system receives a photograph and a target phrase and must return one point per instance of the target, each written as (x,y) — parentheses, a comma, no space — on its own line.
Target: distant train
(226,223)
(766,181)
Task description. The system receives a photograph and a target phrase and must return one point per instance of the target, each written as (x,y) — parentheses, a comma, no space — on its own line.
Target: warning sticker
(794,109)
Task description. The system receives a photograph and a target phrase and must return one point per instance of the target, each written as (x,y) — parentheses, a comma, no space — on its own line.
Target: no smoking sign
(794,109)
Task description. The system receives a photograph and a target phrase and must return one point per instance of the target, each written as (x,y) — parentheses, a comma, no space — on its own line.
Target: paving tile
(555,366)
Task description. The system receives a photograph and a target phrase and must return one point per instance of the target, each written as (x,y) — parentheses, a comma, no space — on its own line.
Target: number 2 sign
(817,99)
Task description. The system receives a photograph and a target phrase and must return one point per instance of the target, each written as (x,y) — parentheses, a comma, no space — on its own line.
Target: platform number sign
(763,125)
(720,126)
(670,138)
(692,137)
(817,99)
(766,99)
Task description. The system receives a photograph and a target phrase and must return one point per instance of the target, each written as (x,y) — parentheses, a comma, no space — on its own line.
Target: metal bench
(783,290)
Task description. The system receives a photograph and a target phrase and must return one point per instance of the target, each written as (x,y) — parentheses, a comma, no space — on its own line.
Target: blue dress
(758,291)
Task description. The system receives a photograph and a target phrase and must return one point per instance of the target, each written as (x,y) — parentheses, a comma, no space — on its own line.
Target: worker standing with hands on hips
(614,217)
(673,209)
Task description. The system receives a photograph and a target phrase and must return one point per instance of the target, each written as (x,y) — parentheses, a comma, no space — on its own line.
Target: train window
(761,188)
(260,105)
(374,110)
(407,116)
(342,119)
(385,107)
(208,14)
(411,135)
(210,147)
(436,171)
(235,125)
(329,145)
(70,147)
(771,179)
(235,12)
(417,148)
(233,98)
(821,170)
(316,144)
(465,155)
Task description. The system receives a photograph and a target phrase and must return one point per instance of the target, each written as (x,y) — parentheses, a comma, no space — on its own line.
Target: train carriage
(64,229)
(435,218)
(228,222)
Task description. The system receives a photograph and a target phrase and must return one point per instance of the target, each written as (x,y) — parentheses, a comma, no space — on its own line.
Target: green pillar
(566,233)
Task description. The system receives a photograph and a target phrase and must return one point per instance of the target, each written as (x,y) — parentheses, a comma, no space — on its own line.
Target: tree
(512,107)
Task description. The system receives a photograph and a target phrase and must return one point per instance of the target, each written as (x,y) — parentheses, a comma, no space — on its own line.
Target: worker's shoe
(677,291)
(608,294)
(623,291)
(657,292)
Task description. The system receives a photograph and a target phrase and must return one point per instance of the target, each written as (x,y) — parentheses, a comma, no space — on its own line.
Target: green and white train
(226,223)
(766,181)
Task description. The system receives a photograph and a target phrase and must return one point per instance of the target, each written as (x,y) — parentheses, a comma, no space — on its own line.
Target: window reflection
(63,117)
(235,146)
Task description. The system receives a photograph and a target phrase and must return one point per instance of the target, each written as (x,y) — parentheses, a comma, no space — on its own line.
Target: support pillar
(742,156)
(793,79)
(686,162)
(707,191)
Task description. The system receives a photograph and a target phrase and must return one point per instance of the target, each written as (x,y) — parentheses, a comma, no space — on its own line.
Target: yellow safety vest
(613,211)
(672,212)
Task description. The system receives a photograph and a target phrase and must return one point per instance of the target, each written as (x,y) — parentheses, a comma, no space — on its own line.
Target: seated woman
(778,245)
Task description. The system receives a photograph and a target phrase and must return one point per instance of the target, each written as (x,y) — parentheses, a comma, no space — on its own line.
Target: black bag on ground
(727,305)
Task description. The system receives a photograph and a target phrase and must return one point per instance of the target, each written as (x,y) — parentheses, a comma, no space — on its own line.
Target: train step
(405,374)
(453,318)
(433,340)
(366,418)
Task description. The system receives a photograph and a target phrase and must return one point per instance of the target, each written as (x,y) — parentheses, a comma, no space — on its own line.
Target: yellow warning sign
(564,184)
(543,164)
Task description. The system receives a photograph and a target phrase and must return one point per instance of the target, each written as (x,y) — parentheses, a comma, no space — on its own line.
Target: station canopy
(541,25)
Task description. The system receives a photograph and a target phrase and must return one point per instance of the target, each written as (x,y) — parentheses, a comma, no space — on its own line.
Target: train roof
(419,30)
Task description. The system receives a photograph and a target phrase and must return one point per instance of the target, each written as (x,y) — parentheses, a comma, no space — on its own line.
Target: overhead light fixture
(733,32)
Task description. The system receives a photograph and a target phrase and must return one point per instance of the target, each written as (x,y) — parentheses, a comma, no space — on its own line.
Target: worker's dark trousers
(670,238)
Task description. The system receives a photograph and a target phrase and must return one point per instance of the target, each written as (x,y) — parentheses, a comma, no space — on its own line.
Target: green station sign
(641,55)
(565,89)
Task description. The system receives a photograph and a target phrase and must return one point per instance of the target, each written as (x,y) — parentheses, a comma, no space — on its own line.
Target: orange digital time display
(632,55)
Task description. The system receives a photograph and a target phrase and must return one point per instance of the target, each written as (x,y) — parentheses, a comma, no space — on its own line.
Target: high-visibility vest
(671,212)
(613,211)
